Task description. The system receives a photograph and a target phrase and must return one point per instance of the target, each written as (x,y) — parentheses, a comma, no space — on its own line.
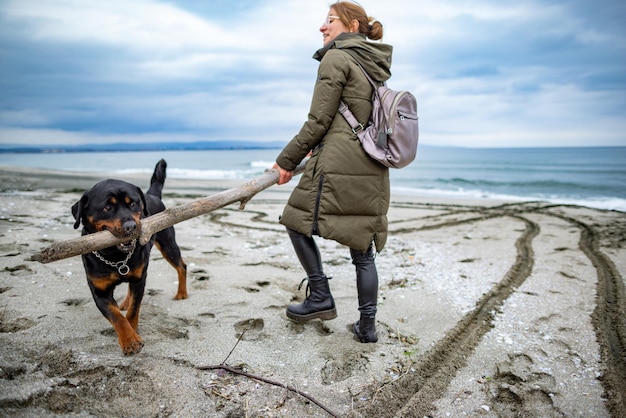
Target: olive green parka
(343,194)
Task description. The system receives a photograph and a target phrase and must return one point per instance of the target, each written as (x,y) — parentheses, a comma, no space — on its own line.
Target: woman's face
(332,27)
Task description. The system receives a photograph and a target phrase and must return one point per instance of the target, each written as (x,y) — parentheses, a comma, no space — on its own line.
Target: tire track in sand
(418,391)
(609,318)
(414,394)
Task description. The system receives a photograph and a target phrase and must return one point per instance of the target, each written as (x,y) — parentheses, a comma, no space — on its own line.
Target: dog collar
(121,266)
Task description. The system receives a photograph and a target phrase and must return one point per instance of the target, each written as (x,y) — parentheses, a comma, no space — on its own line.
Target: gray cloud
(534,73)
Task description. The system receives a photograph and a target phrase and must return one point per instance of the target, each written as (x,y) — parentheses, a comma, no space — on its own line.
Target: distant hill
(154,146)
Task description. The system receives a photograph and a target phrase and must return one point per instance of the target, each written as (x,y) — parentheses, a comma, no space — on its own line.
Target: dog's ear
(77,210)
(146,213)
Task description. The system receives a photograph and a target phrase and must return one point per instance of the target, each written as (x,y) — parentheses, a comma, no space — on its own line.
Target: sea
(593,177)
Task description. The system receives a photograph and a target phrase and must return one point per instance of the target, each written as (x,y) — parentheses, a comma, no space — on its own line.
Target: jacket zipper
(316,212)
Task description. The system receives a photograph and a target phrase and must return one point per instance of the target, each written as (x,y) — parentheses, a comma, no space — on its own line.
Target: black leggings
(366,274)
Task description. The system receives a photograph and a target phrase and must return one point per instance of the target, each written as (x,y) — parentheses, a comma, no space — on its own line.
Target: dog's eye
(133,205)
(108,208)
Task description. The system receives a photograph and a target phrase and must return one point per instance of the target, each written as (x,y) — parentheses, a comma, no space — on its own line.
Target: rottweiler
(118,206)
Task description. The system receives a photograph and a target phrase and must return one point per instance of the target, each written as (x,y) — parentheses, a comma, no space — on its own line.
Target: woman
(343,194)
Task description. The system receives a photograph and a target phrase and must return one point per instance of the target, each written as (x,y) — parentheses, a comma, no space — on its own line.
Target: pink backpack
(391,134)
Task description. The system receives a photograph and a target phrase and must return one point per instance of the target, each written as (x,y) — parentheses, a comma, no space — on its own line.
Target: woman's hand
(284,175)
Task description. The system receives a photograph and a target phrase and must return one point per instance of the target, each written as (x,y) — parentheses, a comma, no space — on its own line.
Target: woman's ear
(354,25)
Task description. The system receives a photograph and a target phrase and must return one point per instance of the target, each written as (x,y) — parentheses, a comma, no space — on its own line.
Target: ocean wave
(586,177)
(261,164)
(253,169)
(605,203)
(214,174)
(539,184)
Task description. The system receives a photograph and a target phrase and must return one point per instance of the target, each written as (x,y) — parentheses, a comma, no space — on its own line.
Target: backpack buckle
(358,129)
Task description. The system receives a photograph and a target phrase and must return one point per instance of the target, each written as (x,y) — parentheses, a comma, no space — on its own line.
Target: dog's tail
(158,179)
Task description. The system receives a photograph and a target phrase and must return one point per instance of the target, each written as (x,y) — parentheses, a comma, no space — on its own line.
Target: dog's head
(113,205)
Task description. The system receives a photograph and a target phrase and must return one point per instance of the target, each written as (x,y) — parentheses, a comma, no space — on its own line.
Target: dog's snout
(129,227)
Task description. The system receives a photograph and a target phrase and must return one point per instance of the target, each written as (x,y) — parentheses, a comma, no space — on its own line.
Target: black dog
(118,206)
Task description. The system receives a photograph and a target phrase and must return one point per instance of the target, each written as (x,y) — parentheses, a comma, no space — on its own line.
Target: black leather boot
(319,302)
(367,287)
(365,329)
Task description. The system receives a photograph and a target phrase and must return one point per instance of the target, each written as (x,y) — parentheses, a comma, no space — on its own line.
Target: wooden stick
(238,371)
(159,221)
(241,372)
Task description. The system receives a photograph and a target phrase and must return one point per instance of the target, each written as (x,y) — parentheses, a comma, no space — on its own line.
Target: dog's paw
(181,295)
(132,346)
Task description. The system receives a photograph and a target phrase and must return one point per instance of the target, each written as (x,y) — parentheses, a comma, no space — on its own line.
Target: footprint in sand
(75,301)
(250,329)
(519,386)
(341,368)
(16,325)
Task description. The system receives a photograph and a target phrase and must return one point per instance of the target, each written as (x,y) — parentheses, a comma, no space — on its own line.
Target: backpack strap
(356,61)
(347,113)
(372,82)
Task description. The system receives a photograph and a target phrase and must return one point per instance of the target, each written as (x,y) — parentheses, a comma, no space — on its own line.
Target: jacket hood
(374,57)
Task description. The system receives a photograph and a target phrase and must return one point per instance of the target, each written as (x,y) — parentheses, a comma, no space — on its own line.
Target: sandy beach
(491,309)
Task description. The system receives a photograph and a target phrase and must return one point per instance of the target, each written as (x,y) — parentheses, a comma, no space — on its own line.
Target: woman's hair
(349,11)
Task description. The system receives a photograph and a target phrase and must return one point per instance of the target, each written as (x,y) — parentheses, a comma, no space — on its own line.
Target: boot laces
(307,292)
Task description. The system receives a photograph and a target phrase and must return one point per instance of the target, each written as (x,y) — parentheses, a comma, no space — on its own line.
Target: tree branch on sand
(241,372)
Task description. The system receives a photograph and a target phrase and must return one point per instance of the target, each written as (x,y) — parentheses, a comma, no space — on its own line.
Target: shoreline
(38,178)
(525,174)
(537,348)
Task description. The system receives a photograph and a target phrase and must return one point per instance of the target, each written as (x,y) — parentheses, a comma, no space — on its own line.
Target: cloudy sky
(486,73)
